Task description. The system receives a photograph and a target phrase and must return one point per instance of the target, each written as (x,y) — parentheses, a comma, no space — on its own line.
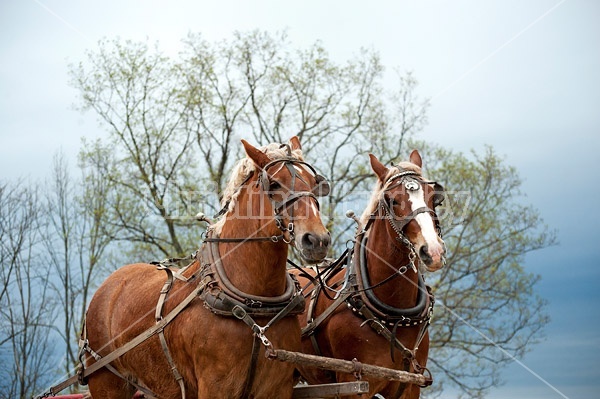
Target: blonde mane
(242,170)
(380,187)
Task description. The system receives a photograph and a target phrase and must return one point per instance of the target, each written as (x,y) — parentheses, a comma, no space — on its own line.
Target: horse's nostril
(424,255)
(326,239)
(314,241)
(310,240)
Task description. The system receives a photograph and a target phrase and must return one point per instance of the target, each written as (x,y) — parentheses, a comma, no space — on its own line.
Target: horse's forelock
(243,169)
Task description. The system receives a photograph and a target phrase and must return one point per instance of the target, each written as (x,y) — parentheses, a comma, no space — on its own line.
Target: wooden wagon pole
(346,366)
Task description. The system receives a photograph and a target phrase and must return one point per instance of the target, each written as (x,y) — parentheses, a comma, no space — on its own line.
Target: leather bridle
(264,181)
(412,183)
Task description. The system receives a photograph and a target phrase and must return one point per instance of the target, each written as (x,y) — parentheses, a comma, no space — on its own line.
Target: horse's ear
(415,158)
(295,143)
(259,157)
(380,169)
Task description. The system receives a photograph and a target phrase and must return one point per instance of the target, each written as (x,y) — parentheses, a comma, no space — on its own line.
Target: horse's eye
(274,186)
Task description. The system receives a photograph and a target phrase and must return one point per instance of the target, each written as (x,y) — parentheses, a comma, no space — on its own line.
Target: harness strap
(343,295)
(403,385)
(280,206)
(112,356)
(381,329)
(259,336)
(313,324)
(174,370)
(247,239)
(209,255)
(163,293)
(414,315)
(161,335)
(242,315)
(251,367)
(147,393)
(85,347)
(408,356)
(321,276)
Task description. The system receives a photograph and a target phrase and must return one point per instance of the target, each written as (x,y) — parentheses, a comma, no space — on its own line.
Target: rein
(246,239)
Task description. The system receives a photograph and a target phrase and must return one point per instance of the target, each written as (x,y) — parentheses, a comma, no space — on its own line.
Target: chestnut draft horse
(380,314)
(247,300)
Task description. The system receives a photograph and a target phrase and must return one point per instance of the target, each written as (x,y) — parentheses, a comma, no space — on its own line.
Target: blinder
(439,194)
(265,181)
(322,189)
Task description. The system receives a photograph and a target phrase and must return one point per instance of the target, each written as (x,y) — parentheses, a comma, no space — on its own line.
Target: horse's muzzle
(433,256)
(314,247)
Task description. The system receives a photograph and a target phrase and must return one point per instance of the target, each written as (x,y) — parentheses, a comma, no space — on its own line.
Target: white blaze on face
(425,221)
(314,208)
(304,173)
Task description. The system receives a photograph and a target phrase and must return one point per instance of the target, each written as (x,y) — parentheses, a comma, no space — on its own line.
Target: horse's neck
(385,255)
(257,268)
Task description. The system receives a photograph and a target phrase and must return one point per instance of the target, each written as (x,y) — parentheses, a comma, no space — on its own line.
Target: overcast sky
(522,76)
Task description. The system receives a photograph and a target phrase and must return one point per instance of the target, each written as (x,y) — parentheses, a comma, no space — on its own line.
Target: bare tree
(76,239)
(25,310)
(258,83)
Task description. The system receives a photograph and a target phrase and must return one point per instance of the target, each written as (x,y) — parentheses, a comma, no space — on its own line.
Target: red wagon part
(137,395)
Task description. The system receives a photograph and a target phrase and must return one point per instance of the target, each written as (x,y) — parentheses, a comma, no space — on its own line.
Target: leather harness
(221,298)
(224,299)
(357,291)
(218,294)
